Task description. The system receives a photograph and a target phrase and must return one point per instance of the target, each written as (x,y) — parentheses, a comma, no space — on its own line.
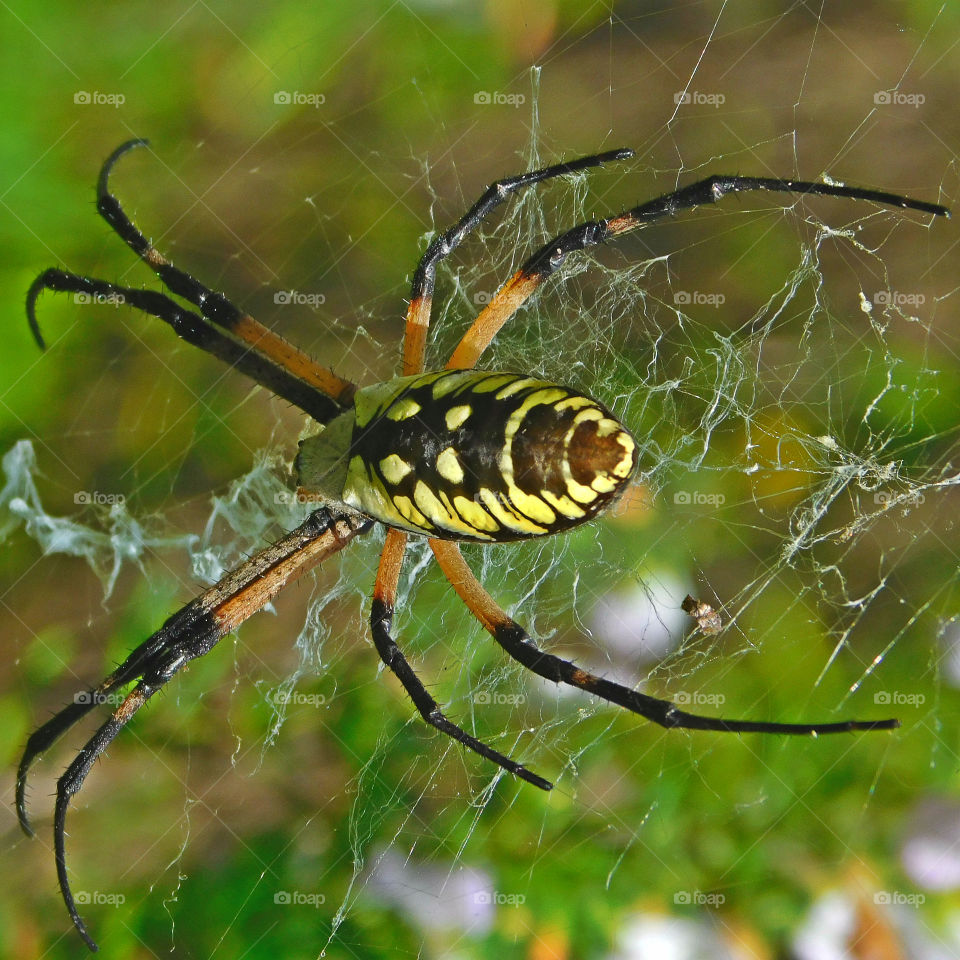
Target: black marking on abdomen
(512,504)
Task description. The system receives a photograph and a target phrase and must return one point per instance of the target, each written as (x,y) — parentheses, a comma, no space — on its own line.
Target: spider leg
(381,620)
(191,632)
(442,245)
(508,299)
(514,639)
(214,307)
(71,782)
(414,347)
(189,326)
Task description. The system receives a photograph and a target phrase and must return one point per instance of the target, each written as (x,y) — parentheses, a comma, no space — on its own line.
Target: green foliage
(204,812)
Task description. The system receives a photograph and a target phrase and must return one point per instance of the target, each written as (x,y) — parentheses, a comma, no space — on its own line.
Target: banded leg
(381,619)
(194,330)
(514,639)
(549,258)
(214,307)
(414,347)
(421,293)
(190,633)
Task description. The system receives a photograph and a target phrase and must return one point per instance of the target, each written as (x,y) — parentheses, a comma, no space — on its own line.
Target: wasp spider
(458,454)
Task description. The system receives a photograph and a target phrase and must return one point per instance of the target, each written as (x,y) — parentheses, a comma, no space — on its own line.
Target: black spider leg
(191,632)
(417,324)
(443,244)
(381,620)
(332,392)
(709,190)
(527,279)
(517,642)
(194,330)
(519,645)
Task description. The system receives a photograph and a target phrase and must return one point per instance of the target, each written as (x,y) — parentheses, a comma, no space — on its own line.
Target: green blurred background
(200,815)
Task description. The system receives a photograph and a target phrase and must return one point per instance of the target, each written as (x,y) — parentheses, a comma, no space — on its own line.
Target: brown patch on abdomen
(538,449)
(590,454)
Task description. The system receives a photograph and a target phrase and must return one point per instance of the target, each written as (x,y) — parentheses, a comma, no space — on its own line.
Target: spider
(458,454)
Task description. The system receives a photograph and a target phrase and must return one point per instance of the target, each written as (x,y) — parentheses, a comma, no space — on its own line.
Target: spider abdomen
(472,455)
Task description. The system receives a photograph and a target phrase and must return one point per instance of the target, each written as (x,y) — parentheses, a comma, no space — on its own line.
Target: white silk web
(787,366)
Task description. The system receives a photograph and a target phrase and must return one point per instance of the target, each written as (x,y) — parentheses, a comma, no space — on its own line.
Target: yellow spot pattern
(507,517)
(494,507)
(394,469)
(455,416)
(474,514)
(448,466)
(563,505)
(403,409)
(625,467)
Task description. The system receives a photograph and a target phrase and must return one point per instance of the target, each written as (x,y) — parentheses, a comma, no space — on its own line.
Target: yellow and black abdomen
(469,455)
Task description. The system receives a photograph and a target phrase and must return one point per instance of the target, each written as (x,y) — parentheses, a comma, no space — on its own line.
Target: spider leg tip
(611,156)
(71,906)
(37,335)
(892,724)
(109,163)
(33,294)
(534,779)
(87,939)
(23,817)
(20,796)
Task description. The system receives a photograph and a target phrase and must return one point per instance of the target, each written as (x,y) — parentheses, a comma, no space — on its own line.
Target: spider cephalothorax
(454,455)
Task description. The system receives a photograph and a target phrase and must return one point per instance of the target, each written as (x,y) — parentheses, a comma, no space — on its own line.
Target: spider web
(786,367)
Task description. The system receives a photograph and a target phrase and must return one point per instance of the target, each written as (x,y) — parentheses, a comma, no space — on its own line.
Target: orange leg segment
(516,642)
(381,621)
